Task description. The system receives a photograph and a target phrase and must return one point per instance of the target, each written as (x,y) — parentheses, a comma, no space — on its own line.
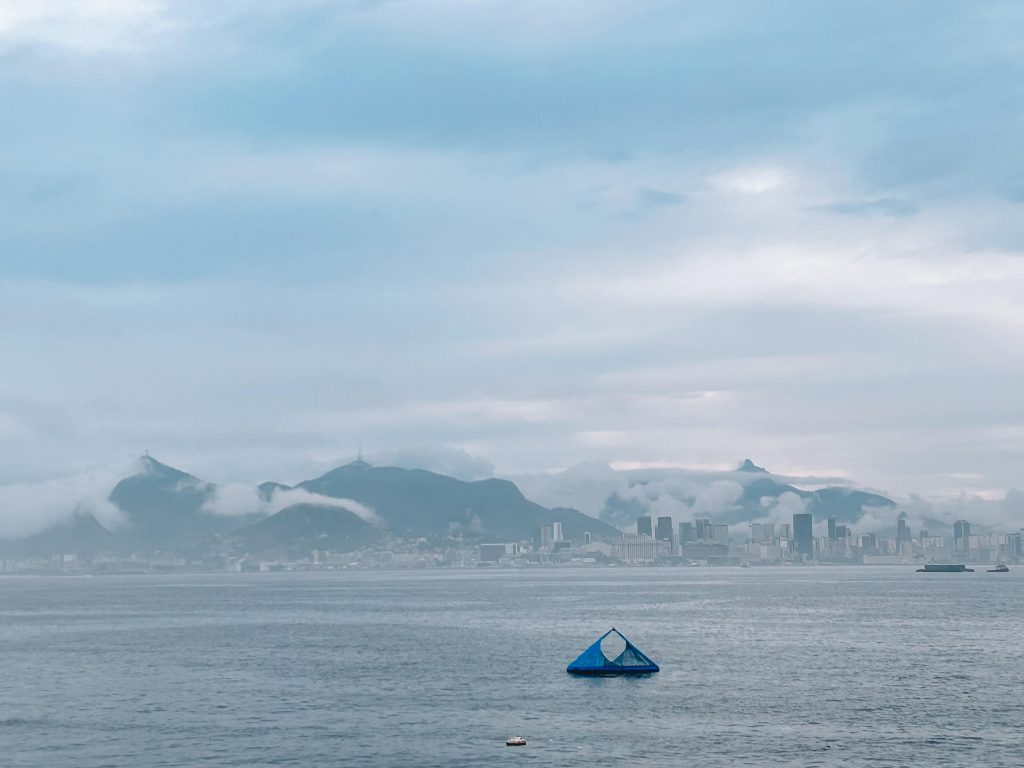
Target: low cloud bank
(454,462)
(29,508)
(594,488)
(236,500)
(619,496)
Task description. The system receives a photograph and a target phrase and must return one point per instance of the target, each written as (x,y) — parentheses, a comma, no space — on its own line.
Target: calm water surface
(760,667)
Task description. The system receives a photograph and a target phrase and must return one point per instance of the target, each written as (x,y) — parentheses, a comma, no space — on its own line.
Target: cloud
(585,486)
(750,181)
(459,224)
(1002,513)
(445,460)
(82,26)
(782,508)
(598,490)
(235,499)
(881,207)
(650,198)
(27,508)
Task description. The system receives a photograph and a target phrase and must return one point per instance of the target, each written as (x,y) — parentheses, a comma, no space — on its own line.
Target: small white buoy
(515,741)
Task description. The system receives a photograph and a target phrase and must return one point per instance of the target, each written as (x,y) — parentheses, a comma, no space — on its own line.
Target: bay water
(797,666)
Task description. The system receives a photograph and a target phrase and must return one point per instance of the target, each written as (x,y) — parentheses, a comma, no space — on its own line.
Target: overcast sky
(250,235)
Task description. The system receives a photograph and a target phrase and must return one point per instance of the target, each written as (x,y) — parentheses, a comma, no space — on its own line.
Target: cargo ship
(939,568)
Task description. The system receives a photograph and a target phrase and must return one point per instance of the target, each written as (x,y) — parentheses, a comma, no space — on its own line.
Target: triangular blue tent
(632,661)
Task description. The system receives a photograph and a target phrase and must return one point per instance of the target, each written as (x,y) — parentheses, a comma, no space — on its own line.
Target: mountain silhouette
(417,503)
(169,510)
(297,529)
(165,508)
(78,534)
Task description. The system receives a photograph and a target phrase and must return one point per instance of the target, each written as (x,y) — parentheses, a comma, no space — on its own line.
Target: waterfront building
(643,526)
(686,533)
(492,553)
(803,534)
(703,530)
(1015,546)
(720,534)
(902,531)
(663,531)
(706,551)
(638,548)
(549,534)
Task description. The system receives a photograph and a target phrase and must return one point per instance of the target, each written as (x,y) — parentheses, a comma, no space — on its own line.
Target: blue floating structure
(632,661)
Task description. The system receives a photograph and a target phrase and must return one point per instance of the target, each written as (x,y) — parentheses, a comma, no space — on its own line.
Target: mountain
(80,533)
(297,529)
(418,503)
(749,466)
(732,497)
(845,504)
(168,510)
(165,508)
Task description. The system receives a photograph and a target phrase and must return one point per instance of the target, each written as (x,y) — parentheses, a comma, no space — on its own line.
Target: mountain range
(165,509)
(353,506)
(746,494)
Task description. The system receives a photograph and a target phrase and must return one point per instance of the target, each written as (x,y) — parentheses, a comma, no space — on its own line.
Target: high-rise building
(961,529)
(720,534)
(756,532)
(769,531)
(902,531)
(550,533)
(869,542)
(586,537)
(803,533)
(832,528)
(1015,545)
(686,533)
(663,531)
(703,530)
(643,526)
(547,537)
(842,532)
(785,531)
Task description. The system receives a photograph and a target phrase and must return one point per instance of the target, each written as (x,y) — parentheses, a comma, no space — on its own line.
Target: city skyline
(749,493)
(359,515)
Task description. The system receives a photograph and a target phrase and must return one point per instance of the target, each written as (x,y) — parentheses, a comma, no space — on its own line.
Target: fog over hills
(749,494)
(159,508)
(79,533)
(167,509)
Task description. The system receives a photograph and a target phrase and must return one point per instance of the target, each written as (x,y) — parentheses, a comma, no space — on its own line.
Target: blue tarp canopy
(632,661)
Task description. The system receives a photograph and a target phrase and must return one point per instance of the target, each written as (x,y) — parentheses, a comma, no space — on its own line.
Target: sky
(253,237)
